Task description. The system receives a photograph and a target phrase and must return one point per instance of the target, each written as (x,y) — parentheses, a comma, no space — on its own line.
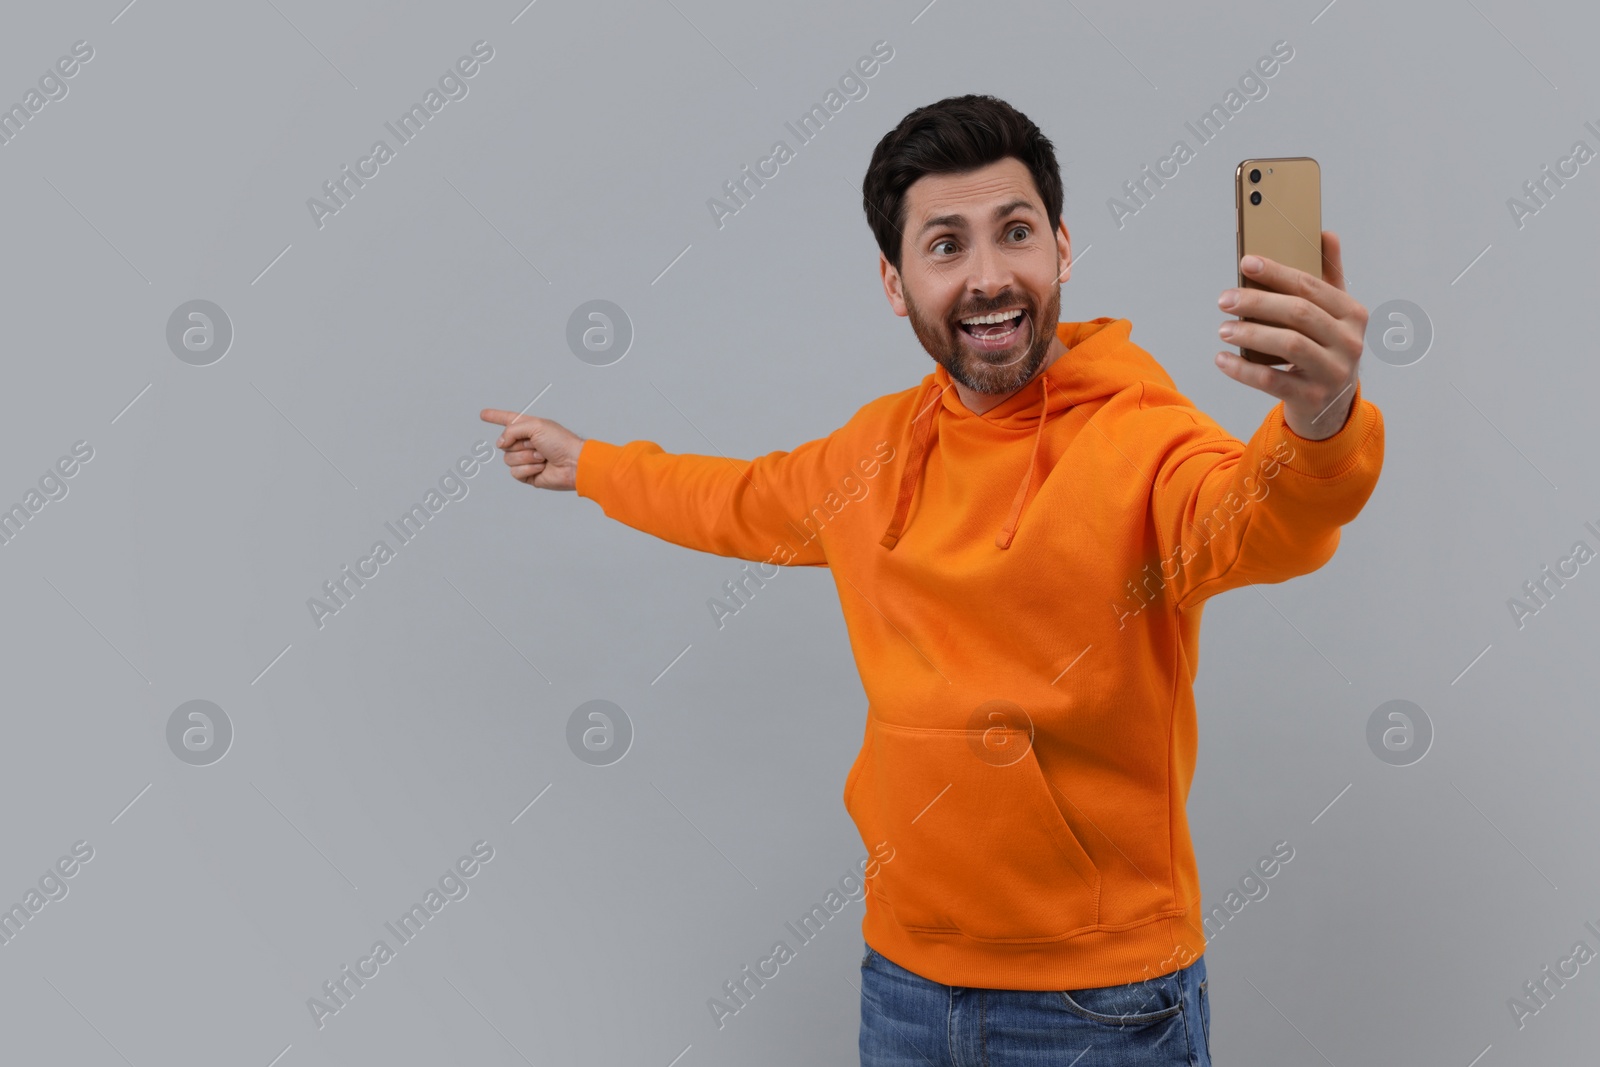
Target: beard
(1001,371)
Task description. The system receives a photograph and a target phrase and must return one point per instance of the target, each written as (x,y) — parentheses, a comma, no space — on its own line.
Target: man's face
(974,244)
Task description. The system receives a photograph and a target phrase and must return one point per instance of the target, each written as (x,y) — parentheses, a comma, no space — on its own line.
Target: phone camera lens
(1255,197)
(1255,175)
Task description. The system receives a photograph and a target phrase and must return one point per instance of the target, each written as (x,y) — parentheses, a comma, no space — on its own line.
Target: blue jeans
(909,1021)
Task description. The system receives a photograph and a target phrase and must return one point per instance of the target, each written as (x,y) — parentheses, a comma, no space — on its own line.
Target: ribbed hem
(1331,456)
(596,460)
(1098,957)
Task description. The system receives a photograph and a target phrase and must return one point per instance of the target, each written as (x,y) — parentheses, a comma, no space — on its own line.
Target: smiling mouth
(995,336)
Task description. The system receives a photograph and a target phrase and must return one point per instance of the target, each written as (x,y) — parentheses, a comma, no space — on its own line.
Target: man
(1023,543)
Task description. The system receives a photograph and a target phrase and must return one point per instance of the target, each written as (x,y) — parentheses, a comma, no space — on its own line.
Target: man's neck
(978,403)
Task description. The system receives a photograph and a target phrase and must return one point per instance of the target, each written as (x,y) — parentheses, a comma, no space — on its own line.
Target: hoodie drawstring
(922,427)
(922,433)
(1003,540)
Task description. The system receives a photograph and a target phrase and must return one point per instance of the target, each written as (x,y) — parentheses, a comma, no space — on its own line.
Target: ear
(892,286)
(1064,250)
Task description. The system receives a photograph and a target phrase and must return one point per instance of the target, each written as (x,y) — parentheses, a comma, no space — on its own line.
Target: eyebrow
(960,221)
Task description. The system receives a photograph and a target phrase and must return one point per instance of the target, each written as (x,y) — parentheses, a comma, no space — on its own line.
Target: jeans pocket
(1134,1004)
(1205,1015)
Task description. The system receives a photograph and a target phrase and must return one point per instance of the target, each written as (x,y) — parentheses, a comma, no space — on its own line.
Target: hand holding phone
(1279,207)
(1300,332)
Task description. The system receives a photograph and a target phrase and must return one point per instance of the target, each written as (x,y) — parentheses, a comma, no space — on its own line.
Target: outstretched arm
(1230,513)
(747,509)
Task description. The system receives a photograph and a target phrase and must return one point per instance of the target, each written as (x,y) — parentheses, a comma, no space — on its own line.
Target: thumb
(1332,260)
(528,428)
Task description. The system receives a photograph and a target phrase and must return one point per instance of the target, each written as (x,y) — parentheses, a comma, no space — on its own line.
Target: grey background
(371,753)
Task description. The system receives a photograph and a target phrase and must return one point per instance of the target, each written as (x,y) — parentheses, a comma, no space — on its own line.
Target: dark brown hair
(957,134)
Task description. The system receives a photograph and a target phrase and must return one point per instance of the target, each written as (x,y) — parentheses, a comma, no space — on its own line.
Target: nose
(991,272)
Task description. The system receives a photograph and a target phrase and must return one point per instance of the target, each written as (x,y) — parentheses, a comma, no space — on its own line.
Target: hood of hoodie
(1099,361)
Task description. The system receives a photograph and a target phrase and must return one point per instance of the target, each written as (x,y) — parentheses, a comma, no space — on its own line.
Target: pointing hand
(541,452)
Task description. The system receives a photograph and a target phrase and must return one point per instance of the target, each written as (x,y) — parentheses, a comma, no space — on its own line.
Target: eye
(944,241)
(1024,228)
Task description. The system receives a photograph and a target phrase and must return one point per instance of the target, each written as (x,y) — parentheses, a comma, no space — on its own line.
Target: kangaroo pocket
(979,845)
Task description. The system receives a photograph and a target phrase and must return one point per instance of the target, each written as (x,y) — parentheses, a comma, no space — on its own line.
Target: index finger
(1282,278)
(504,418)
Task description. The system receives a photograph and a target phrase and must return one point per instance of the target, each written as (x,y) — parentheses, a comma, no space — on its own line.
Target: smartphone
(1279,207)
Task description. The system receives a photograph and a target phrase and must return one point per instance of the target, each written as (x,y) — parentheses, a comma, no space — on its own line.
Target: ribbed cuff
(1331,456)
(596,459)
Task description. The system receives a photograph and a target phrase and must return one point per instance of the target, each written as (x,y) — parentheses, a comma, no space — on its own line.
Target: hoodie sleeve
(748,509)
(1231,513)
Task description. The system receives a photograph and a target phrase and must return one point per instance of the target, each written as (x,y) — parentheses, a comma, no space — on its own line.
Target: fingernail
(1251,264)
(1222,359)
(1225,331)
(1228,298)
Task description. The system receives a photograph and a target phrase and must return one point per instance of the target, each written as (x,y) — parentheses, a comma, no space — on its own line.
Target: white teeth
(999,316)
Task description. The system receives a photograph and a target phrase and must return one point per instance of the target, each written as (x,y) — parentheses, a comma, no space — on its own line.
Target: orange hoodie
(1023,591)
